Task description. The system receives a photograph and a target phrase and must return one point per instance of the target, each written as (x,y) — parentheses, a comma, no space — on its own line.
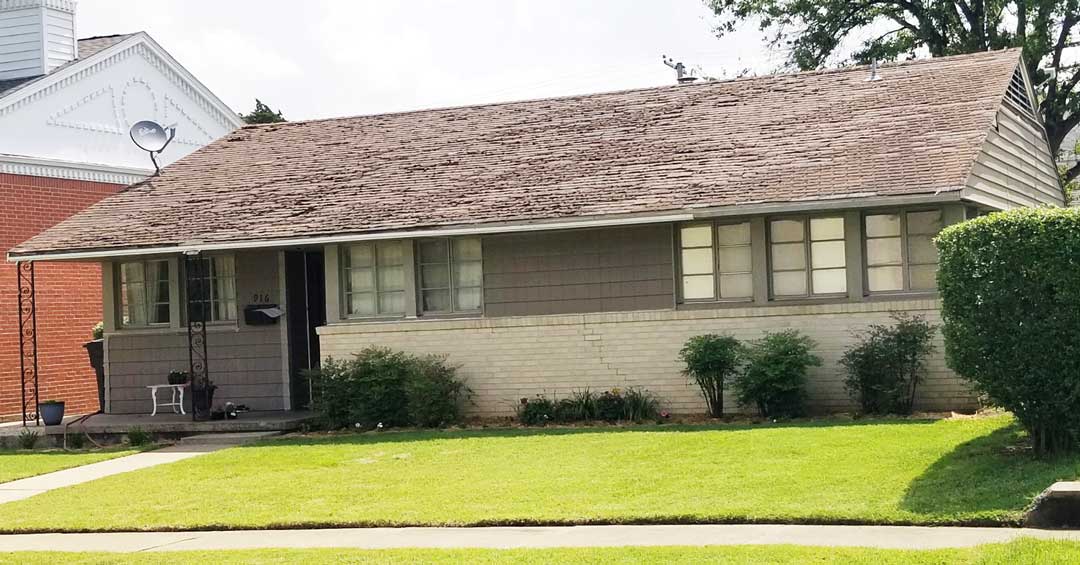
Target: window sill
(211,327)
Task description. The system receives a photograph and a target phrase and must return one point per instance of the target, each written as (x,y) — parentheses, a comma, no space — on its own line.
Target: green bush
(885,367)
(27,439)
(136,436)
(615,405)
(433,394)
(391,388)
(774,379)
(1010,290)
(640,405)
(710,360)
(536,411)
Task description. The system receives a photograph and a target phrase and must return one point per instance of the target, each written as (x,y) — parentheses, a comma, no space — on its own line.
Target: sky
(326,58)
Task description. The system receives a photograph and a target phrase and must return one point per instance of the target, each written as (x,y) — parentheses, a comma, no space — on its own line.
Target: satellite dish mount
(152,138)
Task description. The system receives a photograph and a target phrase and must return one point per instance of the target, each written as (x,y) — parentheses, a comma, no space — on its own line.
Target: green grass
(22,464)
(919,472)
(1022,551)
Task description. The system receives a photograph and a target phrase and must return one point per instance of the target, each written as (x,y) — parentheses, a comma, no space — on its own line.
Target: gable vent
(1018,93)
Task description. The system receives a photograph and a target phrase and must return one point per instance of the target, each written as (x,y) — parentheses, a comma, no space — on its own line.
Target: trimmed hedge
(1010,286)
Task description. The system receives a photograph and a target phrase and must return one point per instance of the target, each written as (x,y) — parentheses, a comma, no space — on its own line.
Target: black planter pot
(52,413)
(95,350)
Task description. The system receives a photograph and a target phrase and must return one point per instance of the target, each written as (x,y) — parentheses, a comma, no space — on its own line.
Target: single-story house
(558,244)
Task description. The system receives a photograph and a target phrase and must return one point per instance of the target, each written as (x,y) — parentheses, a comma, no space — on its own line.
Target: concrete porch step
(238,438)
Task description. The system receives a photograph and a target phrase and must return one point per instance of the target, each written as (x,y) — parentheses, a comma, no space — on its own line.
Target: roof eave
(582,222)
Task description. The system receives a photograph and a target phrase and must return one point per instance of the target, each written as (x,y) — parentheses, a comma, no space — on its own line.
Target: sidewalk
(886,537)
(25,488)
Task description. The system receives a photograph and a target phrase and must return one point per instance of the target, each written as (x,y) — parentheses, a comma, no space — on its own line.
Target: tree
(262,115)
(813,30)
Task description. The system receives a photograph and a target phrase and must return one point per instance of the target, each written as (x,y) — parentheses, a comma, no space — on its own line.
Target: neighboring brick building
(65,109)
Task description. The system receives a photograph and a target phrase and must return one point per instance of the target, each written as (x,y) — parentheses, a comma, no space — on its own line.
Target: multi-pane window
(900,252)
(807,256)
(144,293)
(451,275)
(213,287)
(374,279)
(716,261)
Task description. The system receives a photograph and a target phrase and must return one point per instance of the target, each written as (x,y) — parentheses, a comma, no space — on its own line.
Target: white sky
(324,58)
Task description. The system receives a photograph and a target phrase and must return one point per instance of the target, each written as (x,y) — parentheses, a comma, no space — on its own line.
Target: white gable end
(81,114)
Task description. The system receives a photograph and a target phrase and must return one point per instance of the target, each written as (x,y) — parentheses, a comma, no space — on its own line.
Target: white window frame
(346,280)
(808,254)
(452,265)
(716,274)
(211,279)
(905,253)
(148,304)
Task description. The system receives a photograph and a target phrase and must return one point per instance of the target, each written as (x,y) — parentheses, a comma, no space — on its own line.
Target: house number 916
(261,298)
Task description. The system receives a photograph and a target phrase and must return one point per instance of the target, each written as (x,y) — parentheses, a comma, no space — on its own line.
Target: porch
(118,424)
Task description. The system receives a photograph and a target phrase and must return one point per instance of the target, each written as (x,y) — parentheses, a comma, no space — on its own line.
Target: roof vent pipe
(681,75)
(873,72)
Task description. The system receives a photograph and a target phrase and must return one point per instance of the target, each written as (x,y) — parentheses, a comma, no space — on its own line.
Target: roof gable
(807,137)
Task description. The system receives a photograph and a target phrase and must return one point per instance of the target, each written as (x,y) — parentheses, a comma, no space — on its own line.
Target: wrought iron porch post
(196,281)
(28,354)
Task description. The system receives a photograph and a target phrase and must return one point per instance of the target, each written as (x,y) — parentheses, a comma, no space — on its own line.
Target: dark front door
(305,306)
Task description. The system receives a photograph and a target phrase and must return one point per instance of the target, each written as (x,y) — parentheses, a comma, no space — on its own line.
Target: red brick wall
(68,294)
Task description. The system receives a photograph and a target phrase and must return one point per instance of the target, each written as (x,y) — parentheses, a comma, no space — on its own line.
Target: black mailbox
(262,314)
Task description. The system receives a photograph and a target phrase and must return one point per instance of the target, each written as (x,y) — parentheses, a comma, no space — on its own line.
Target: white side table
(177,402)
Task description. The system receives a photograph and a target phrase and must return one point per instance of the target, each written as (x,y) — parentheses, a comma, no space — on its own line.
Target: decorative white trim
(57,169)
(139,44)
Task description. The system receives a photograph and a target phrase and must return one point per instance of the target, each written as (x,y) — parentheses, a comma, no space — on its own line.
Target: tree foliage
(774,379)
(1010,289)
(711,360)
(262,114)
(888,362)
(814,30)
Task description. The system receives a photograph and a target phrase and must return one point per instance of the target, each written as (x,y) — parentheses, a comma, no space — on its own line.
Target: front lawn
(921,472)
(22,464)
(1022,551)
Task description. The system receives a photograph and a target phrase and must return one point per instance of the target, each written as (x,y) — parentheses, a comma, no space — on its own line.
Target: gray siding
(1014,168)
(244,361)
(599,270)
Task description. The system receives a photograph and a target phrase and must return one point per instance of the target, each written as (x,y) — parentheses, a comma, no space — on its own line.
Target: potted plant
(51,412)
(178,377)
(95,350)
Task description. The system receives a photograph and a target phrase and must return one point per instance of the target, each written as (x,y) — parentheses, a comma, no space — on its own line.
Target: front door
(305,306)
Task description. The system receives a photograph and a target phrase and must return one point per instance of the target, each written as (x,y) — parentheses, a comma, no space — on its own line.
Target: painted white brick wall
(506,359)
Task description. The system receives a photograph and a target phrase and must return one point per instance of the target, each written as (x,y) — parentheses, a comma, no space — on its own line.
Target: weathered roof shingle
(808,136)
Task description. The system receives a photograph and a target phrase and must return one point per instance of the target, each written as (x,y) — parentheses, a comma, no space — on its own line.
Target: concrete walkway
(889,537)
(25,488)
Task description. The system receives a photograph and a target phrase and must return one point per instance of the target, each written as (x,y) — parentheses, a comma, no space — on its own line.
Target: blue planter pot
(52,414)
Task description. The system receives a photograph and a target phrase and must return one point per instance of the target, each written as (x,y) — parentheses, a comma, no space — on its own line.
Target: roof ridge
(765,77)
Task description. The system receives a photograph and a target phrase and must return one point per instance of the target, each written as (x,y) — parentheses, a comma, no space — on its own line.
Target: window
(144,293)
(900,252)
(807,256)
(716,261)
(374,279)
(214,287)
(451,275)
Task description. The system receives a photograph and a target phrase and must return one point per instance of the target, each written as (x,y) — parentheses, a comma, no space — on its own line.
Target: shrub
(1010,289)
(27,439)
(136,436)
(434,395)
(536,411)
(610,406)
(640,405)
(392,388)
(885,367)
(579,407)
(710,360)
(98,331)
(774,379)
(76,440)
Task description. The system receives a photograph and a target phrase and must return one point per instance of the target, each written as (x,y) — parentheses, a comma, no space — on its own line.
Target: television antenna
(152,138)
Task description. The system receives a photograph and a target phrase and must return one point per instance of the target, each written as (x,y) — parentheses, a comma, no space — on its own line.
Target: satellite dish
(152,138)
